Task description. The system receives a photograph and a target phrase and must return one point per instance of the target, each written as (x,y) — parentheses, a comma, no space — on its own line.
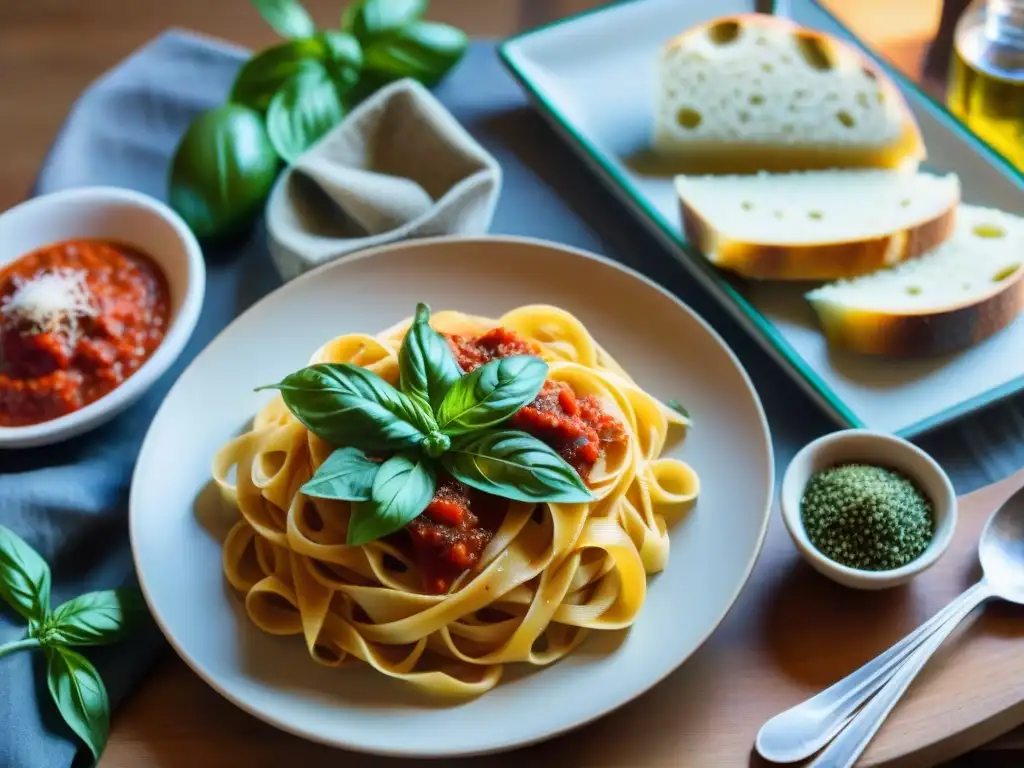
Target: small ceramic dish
(869,447)
(131,218)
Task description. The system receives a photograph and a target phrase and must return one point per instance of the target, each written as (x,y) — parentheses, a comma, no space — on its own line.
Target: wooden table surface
(50,50)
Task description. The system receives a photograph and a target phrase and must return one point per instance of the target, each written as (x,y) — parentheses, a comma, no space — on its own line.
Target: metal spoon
(802,730)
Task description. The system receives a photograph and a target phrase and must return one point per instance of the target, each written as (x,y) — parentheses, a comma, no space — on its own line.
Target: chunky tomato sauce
(471,353)
(452,532)
(448,537)
(49,372)
(576,427)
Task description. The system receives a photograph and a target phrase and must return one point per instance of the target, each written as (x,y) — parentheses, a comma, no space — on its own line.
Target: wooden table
(50,50)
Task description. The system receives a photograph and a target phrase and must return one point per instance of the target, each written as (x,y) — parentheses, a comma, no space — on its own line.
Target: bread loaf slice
(961,293)
(757,92)
(816,225)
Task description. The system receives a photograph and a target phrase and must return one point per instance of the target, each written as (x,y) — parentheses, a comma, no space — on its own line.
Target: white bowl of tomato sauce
(100,289)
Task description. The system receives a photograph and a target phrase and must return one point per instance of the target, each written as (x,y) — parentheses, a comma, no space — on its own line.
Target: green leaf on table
(265,73)
(369,19)
(424,51)
(491,394)
(287,17)
(343,57)
(80,696)
(222,171)
(95,618)
(24,577)
(515,465)
(427,367)
(350,406)
(302,111)
(402,488)
(347,474)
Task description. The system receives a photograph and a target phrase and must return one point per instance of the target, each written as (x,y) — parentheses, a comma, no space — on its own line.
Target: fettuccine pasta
(540,577)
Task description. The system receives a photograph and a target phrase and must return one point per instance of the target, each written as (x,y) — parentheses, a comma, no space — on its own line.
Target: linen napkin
(70,501)
(399,166)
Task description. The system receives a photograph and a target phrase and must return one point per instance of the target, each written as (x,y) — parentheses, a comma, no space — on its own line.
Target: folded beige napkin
(398,167)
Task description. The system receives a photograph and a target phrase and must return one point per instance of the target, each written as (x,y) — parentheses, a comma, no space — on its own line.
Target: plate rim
(550,733)
(756,325)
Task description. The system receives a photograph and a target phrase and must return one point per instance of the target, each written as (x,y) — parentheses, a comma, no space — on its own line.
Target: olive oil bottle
(986,86)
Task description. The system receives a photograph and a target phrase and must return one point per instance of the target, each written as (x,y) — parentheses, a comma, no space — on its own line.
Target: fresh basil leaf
(343,57)
(369,83)
(78,691)
(350,406)
(426,365)
(369,19)
(265,73)
(675,406)
(424,51)
(287,17)
(403,487)
(348,16)
(302,111)
(95,618)
(491,394)
(347,474)
(222,171)
(24,577)
(515,465)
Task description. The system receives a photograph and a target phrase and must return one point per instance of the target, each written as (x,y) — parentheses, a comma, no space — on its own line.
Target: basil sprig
(287,17)
(491,394)
(266,73)
(402,488)
(351,406)
(286,97)
(79,693)
(515,465)
(347,475)
(371,20)
(437,418)
(303,110)
(427,368)
(24,577)
(95,618)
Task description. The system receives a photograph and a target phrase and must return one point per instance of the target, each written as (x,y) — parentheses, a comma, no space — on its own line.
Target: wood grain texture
(50,50)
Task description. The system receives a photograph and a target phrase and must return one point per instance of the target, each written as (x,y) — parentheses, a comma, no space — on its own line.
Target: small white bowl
(868,447)
(131,218)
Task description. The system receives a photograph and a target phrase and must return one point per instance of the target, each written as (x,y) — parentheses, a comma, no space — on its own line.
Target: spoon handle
(802,730)
(848,745)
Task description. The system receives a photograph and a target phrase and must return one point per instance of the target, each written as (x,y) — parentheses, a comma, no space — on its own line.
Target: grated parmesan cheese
(50,301)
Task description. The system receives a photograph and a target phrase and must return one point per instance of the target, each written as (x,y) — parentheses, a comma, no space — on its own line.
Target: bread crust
(740,159)
(922,334)
(822,261)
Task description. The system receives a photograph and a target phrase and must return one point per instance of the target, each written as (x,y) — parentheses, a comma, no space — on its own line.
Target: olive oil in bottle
(986,86)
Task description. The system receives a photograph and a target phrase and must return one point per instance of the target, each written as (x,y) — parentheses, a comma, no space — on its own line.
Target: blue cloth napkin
(70,501)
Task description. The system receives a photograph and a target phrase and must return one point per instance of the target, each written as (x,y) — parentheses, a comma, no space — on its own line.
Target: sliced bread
(757,92)
(816,225)
(962,292)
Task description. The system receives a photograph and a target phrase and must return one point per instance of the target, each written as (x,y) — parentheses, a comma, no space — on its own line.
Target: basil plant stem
(19,645)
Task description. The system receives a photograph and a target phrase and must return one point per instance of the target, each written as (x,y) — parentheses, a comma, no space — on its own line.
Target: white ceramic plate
(573,70)
(176,519)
